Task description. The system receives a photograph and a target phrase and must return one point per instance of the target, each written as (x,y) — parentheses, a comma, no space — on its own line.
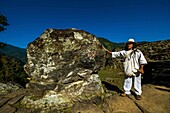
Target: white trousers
(137,85)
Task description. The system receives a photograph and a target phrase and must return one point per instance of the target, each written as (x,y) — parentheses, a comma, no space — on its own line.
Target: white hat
(131,40)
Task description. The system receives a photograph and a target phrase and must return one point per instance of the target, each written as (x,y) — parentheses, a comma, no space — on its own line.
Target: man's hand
(107,50)
(141,70)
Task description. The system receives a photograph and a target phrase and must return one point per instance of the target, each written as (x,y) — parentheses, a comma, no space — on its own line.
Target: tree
(3,22)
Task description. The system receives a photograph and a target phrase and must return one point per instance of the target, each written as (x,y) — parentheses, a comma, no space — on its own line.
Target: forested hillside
(13,51)
(12,60)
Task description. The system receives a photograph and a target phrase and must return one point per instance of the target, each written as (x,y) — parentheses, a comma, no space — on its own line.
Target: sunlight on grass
(112,76)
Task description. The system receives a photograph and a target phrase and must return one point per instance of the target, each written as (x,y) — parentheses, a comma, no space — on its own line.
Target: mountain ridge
(20,53)
(13,51)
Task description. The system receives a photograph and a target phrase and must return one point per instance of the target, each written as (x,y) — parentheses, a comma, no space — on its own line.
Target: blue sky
(116,20)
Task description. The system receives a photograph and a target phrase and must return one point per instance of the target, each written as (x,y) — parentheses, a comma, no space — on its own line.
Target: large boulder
(64,65)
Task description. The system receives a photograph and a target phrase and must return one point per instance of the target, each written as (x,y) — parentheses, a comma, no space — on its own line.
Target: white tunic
(136,56)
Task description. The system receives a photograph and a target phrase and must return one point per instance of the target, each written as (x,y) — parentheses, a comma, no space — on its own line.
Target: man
(133,64)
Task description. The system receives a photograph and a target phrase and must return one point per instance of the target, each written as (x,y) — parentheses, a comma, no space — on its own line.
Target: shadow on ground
(111,87)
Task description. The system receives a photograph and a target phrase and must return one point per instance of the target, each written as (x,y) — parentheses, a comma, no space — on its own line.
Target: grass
(112,79)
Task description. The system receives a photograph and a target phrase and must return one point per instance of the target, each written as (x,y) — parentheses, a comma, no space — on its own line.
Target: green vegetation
(12,60)
(12,51)
(112,78)
(12,70)
(110,45)
(3,22)
(2,44)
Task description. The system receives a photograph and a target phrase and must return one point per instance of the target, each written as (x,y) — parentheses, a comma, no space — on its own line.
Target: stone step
(3,101)
(7,109)
(10,99)
(25,111)
(16,93)
(16,99)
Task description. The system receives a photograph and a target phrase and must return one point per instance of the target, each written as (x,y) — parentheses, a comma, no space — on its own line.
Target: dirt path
(155,99)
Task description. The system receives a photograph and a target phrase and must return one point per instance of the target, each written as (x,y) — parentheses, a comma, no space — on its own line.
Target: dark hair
(134,46)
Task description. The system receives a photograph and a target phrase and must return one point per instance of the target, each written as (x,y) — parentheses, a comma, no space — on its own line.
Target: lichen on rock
(65,62)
